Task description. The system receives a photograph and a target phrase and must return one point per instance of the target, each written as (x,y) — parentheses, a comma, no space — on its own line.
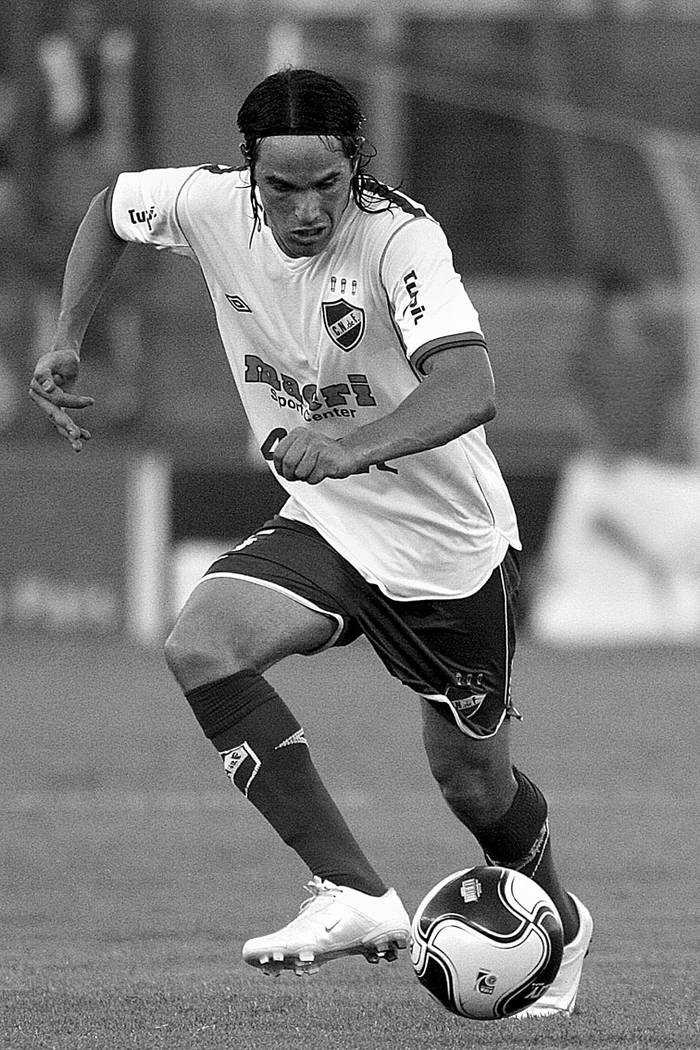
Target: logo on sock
(531,862)
(295,738)
(241,766)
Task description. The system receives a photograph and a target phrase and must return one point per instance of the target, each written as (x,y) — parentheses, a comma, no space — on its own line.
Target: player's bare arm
(456,395)
(91,262)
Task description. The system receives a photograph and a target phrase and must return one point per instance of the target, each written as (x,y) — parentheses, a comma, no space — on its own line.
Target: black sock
(266,756)
(520,840)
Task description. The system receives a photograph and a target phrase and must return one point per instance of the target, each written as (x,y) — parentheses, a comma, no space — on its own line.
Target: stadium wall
(516,132)
(482,145)
(86,541)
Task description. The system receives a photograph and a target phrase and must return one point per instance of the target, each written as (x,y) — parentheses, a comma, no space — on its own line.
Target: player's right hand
(54,376)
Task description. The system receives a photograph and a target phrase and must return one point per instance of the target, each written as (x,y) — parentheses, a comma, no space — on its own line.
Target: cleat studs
(278,957)
(384,949)
(305,964)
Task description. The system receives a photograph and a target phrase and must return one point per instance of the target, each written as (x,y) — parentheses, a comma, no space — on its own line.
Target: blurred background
(558,143)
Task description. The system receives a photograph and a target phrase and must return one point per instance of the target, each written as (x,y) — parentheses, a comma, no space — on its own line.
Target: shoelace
(316,889)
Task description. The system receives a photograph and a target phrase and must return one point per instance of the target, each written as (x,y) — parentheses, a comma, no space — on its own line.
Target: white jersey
(335,341)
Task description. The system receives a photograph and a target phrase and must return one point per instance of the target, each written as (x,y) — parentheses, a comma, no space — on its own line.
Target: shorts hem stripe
(290,594)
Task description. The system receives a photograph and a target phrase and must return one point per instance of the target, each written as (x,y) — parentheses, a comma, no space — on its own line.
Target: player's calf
(266,756)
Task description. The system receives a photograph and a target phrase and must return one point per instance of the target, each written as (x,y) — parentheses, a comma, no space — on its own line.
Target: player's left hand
(305,455)
(55,374)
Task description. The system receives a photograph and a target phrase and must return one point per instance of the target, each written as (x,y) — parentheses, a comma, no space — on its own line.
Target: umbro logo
(296,738)
(239,304)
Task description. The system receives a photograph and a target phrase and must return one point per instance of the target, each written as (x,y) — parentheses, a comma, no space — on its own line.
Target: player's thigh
(228,624)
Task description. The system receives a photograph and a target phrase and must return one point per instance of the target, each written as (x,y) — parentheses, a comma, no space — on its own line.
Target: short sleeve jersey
(335,341)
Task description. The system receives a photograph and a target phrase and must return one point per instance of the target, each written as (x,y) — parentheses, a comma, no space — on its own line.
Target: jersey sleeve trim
(421,355)
(108,212)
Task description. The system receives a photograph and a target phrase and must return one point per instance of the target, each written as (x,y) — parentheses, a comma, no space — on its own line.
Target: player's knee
(176,653)
(477,797)
(195,654)
(467,798)
(179,654)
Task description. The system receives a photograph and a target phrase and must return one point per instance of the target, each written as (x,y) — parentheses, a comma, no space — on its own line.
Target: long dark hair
(304,102)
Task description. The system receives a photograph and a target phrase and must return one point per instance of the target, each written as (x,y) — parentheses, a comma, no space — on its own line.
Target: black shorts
(455,652)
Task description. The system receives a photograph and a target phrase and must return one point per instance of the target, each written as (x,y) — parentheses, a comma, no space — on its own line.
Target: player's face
(304,185)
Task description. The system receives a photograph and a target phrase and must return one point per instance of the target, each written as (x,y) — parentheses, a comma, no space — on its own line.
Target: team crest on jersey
(344,323)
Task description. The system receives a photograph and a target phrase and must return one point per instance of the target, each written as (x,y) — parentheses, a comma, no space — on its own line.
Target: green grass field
(132,872)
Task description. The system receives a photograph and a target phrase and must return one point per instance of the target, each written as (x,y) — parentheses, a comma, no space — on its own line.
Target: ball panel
(468,896)
(437,976)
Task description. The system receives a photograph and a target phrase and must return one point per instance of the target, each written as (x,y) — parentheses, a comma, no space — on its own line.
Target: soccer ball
(486,942)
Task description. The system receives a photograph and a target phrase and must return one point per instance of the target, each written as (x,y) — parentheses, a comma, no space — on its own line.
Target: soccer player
(364,373)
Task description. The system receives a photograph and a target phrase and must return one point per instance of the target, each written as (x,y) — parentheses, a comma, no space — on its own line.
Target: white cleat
(333,922)
(560,997)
